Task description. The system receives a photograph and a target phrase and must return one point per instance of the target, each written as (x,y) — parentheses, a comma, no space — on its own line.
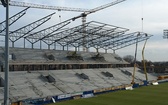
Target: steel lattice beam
(77,34)
(105,33)
(89,33)
(127,41)
(40,6)
(13,19)
(106,5)
(40,35)
(117,39)
(94,30)
(50,39)
(96,42)
(23,31)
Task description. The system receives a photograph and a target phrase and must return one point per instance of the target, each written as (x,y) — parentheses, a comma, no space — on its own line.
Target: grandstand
(33,75)
(39,74)
(36,74)
(35,59)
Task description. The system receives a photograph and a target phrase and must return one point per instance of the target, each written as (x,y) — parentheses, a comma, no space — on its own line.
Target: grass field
(148,95)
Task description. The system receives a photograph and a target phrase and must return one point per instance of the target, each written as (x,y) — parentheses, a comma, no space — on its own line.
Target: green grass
(147,95)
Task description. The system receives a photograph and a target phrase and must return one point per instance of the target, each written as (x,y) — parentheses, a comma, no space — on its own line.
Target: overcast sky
(127,14)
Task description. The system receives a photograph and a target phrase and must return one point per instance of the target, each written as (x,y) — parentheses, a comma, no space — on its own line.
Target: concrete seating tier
(27,55)
(24,85)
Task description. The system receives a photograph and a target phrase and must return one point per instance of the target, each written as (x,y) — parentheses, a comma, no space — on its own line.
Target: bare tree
(129,58)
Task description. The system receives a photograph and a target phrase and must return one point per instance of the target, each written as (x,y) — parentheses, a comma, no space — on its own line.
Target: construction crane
(40,6)
(37,37)
(84,14)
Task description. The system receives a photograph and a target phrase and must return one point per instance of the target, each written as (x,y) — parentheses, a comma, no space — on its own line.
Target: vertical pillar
(67,47)
(48,46)
(114,51)
(6,88)
(40,44)
(13,44)
(32,45)
(105,50)
(55,46)
(97,50)
(24,42)
(63,48)
(76,49)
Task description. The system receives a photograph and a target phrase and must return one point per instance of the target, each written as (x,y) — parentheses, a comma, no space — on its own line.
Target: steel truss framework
(92,34)
(13,19)
(47,32)
(97,35)
(25,30)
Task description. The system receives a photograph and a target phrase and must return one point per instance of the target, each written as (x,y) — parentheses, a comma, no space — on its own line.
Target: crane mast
(83,15)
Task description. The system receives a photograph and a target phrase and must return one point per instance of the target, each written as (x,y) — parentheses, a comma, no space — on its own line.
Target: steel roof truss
(21,32)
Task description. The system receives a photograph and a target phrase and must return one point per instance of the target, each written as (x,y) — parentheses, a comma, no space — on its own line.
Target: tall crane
(40,6)
(84,14)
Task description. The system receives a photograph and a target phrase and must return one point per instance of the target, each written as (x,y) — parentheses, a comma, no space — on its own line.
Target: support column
(24,42)
(97,50)
(106,51)
(12,44)
(40,44)
(67,47)
(48,46)
(32,45)
(63,48)
(114,51)
(76,49)
(55,46)
(6,88)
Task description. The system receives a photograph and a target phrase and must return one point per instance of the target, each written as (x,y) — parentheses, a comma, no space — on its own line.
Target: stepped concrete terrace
(39,73)
(34,84)
(27,59)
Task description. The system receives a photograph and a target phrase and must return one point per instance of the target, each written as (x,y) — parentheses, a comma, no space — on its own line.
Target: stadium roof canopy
(93,34)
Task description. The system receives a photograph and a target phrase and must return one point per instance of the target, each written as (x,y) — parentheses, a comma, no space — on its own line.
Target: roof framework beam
(93,31)
(40,35)
(126,41)
(23,31)
(96,42)
(13,19)
(78,35)
(62,35)
(119,39)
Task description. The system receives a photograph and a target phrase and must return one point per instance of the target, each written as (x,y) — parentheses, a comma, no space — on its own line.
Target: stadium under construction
(39,76)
